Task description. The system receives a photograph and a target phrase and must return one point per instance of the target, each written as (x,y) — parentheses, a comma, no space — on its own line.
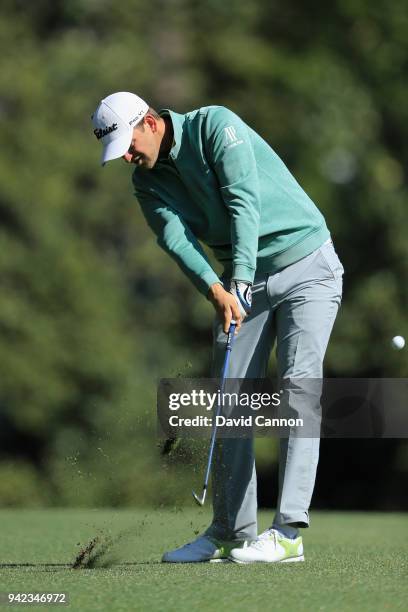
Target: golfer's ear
(151,122)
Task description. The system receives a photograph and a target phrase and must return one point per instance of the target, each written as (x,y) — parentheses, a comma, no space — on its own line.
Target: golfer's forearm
(175,237)
(244,234)
(234,162)
(187,253)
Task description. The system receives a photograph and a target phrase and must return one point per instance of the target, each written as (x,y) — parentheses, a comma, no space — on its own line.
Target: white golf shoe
(270,547)
(201,550)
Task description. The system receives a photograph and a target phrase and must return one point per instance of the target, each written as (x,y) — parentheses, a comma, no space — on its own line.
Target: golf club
(230,340)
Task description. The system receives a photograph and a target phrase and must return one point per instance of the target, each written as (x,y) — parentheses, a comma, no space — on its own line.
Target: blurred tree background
(92,313)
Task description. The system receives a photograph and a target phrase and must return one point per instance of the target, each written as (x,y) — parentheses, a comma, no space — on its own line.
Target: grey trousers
(295,308)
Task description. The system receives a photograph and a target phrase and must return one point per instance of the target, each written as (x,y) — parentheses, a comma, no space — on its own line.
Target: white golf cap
(114,120)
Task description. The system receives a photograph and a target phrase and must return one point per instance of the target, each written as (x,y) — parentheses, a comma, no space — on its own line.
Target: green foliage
(21,485)
(91,313)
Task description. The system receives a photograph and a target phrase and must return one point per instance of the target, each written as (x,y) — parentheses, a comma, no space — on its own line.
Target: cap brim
(116,148)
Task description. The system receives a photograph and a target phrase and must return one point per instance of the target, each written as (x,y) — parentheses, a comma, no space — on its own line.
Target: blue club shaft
(230,342)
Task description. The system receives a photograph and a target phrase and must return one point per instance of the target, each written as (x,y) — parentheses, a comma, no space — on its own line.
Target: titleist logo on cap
(101,132)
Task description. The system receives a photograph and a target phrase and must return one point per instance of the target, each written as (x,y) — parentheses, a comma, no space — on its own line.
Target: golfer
(207,177)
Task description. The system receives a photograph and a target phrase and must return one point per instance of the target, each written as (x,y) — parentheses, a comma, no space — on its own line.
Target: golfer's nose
(127,157)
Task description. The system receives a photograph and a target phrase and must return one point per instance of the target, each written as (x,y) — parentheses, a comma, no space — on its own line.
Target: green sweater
(222,184)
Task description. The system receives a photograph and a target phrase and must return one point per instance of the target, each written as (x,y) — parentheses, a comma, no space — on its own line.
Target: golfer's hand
(226,305)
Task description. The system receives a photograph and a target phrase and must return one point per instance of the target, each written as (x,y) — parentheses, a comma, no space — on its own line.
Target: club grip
(231,334)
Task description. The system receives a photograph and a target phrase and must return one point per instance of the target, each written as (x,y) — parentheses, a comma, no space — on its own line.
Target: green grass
(353,562)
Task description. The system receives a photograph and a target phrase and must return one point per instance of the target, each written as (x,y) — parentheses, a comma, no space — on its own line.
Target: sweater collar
(177,121)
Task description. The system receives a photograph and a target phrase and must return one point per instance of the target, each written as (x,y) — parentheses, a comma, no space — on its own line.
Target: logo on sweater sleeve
(230,137)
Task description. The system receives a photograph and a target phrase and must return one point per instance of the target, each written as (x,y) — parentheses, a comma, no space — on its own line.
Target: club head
(199,500)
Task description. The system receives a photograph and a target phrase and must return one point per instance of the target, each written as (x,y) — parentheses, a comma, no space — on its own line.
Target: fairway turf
(354,561)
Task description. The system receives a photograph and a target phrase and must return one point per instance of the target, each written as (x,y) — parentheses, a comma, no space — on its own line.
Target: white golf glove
(243,294)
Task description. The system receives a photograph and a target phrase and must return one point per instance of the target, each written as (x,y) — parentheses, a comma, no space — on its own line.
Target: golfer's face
(143,150)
